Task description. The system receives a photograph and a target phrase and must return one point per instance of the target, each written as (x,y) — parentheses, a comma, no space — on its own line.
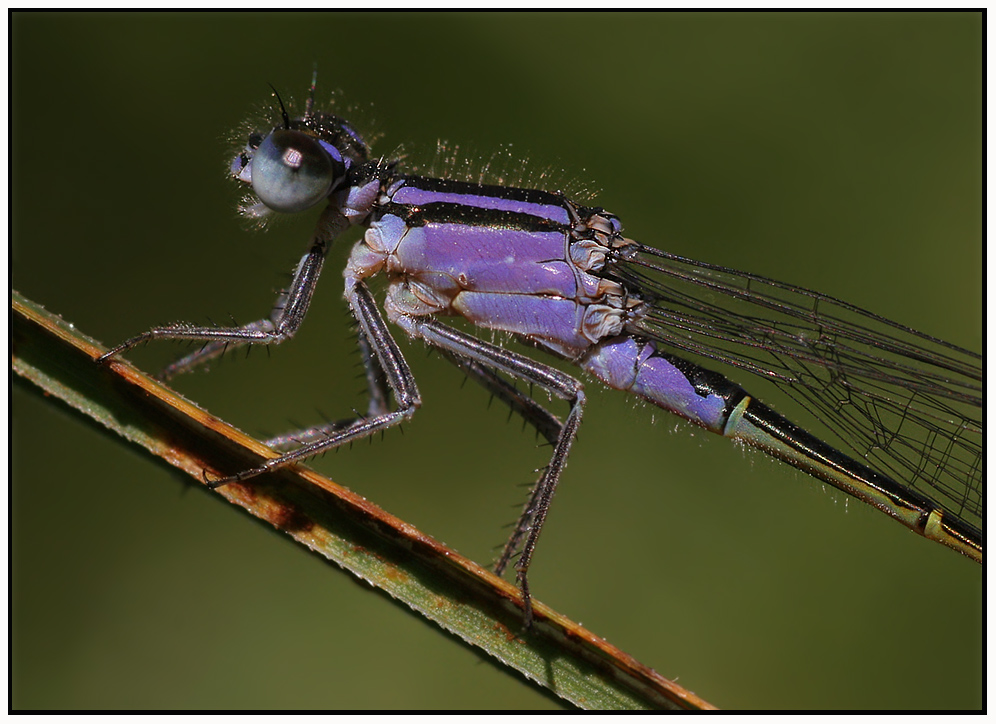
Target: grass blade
(423,574)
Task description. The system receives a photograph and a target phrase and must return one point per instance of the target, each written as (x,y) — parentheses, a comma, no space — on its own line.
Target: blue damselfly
(899,411)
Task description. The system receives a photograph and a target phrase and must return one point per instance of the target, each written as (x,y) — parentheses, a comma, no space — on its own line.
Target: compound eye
(291,171)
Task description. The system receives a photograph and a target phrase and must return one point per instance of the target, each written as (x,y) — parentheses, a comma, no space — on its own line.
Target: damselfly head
(292,164)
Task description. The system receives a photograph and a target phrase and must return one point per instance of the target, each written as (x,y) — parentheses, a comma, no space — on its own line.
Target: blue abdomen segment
(636,365)
(708,399)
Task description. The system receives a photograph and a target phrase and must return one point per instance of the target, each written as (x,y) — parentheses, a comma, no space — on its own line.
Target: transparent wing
(905,404)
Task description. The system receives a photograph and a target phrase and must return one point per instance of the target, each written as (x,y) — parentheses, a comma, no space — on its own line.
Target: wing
(905,404)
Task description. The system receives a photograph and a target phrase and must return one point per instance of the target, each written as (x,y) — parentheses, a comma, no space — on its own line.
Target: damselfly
(900,411)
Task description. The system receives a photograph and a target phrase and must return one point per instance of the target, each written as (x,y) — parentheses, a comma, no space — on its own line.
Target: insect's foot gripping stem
(123,347)
(266,467)
(527,599)
(214,484)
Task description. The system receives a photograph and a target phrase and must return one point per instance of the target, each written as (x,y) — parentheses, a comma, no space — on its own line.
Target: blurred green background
(839,152)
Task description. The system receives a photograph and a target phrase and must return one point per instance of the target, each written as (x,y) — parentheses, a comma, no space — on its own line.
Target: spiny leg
(482,355)
(378,392)
(545,423)
(387,356)
(288,312)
